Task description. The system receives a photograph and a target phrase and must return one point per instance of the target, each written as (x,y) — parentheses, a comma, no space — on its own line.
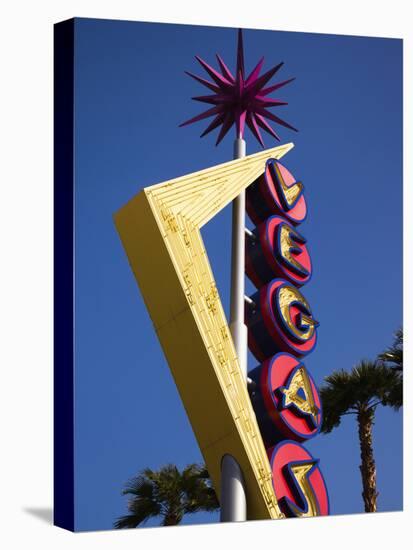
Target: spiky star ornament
(239,100)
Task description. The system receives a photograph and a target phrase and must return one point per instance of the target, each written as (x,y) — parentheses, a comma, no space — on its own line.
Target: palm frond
(393,355)
(368,384)
(169,494)
(141,509)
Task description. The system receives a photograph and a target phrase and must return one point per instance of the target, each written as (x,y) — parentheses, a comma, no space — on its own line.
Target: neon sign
(281,329)
(160,229)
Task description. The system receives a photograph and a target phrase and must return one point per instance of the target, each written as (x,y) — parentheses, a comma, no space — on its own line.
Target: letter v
(288,195)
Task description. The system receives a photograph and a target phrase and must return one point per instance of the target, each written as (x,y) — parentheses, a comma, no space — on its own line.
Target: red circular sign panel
(279,251)
(290,397)
(271,194)
(298,483)
(267,331)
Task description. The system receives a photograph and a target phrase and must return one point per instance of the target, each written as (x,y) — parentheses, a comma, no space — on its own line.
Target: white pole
(233,499)
(237,325)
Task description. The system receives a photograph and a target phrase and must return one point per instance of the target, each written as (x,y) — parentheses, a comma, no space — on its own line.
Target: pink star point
(239,100)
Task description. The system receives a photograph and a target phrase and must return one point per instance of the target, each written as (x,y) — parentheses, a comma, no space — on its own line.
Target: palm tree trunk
(365,418)
(172,519)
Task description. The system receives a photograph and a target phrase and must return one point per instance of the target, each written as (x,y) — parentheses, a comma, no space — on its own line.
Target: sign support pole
(233,498)
(237,324)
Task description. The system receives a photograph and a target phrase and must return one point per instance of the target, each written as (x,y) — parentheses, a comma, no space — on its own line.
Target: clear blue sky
(131,94)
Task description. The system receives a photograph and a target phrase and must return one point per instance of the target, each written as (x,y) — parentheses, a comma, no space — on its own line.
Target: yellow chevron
(160,231)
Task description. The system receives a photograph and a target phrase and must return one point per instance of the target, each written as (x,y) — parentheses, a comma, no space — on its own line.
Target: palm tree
(169,494)
(359,392)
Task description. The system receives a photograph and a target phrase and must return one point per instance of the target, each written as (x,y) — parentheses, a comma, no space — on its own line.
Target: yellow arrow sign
(160,231)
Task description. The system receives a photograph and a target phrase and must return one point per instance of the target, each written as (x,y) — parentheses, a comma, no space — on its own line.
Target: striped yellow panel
(160,231)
